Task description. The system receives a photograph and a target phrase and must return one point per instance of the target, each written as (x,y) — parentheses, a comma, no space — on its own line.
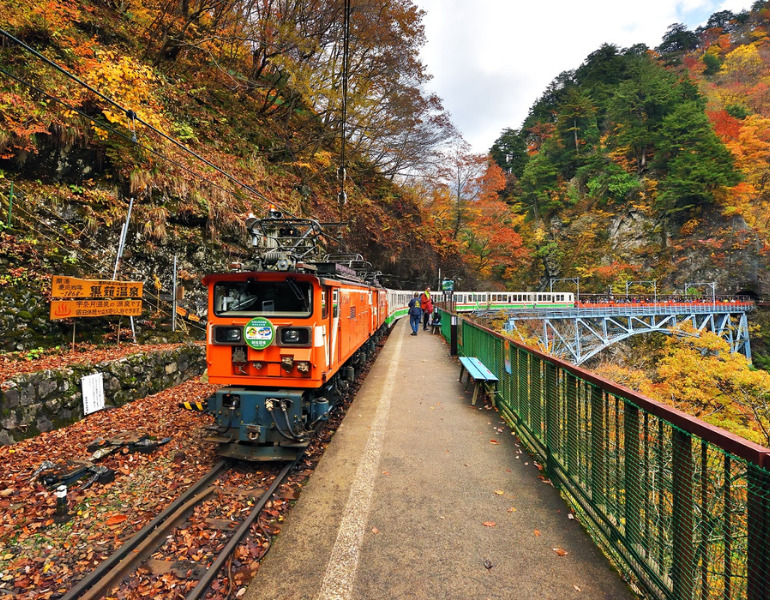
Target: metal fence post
(536,397)
(572,424)
(758,571)
(10,206)
(633,473)
(551,418)
(598,447)
(453,335)
(523,385)
(513,396)
(173,298)
(683,566)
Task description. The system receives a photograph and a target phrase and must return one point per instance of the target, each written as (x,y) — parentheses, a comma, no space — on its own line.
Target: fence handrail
(681,506)
(734,444)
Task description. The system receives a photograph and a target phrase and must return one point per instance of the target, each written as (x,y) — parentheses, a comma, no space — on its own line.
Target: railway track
(148,549)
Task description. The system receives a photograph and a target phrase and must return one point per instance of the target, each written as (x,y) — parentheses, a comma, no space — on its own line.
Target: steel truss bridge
(579,334)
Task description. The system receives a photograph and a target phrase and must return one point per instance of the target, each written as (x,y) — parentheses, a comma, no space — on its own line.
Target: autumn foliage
(698,374)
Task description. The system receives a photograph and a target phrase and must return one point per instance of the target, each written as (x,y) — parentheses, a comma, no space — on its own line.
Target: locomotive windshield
(254,298)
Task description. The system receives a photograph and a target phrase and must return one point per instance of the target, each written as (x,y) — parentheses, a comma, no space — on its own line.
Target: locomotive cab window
(287,298)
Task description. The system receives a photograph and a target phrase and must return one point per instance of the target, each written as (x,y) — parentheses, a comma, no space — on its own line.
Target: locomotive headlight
(287,362)
(294,336)
(303,366)
(227,335)
(291,336)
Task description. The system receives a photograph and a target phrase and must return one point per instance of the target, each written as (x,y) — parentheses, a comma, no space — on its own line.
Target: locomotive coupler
(253,432)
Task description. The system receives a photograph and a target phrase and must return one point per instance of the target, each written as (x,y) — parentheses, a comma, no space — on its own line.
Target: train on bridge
(515,301)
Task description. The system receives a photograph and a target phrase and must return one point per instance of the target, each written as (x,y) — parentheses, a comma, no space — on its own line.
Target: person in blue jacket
(415,312)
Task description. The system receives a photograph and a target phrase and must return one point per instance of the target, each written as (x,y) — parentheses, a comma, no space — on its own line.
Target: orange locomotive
(285,341)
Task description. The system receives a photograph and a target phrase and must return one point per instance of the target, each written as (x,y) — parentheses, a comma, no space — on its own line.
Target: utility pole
(121,248)
(173,298)
(575,280)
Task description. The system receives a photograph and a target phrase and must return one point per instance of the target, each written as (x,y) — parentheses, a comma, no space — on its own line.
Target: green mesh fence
(681,507)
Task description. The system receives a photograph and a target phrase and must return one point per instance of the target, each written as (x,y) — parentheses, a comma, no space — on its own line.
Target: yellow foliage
(699,374)
(743,64)
(324,158)
(127,82)
(689,227)
(635,379)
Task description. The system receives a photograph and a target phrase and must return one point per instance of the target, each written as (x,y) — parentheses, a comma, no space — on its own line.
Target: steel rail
(142,552)
(204,582)
(110,563)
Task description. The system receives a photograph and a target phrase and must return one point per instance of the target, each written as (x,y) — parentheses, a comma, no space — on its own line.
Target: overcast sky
(491,59)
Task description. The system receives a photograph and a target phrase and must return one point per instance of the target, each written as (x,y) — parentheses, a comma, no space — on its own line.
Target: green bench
(481,376)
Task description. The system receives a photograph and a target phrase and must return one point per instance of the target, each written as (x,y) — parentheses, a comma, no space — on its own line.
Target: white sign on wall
(93,393)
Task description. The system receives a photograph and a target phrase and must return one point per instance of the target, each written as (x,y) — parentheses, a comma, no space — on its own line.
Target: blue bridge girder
(579,334)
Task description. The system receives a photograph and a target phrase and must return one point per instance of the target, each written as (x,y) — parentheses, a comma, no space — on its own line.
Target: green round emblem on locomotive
(259,333)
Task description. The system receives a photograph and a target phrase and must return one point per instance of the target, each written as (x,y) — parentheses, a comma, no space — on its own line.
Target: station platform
(422,496)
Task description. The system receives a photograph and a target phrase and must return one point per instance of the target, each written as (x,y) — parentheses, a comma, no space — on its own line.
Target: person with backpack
(426,304)
(415,312)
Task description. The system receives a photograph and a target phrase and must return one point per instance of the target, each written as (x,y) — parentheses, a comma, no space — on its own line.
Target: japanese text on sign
(93,393)
(66,309)
(70,287)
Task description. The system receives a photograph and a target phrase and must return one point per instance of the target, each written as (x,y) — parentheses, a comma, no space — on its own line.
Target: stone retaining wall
(46,400)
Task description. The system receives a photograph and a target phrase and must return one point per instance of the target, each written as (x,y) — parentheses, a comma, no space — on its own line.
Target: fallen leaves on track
(41,558)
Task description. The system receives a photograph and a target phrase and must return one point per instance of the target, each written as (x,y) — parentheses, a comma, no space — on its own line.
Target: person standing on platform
(415,312)
(426,304)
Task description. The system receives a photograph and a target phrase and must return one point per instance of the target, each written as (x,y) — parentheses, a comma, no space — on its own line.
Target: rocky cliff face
(633,244)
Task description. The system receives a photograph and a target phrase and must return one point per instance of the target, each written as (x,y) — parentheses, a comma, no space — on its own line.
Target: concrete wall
(42,401)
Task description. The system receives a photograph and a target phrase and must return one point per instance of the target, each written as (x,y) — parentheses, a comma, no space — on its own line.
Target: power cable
(132,138)
(131,114)
(96,268)
(113,130)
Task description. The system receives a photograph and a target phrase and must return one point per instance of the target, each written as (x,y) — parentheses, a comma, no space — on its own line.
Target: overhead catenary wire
(132,139)
(133,115)
(113,130)
(86,254)
(135,118)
